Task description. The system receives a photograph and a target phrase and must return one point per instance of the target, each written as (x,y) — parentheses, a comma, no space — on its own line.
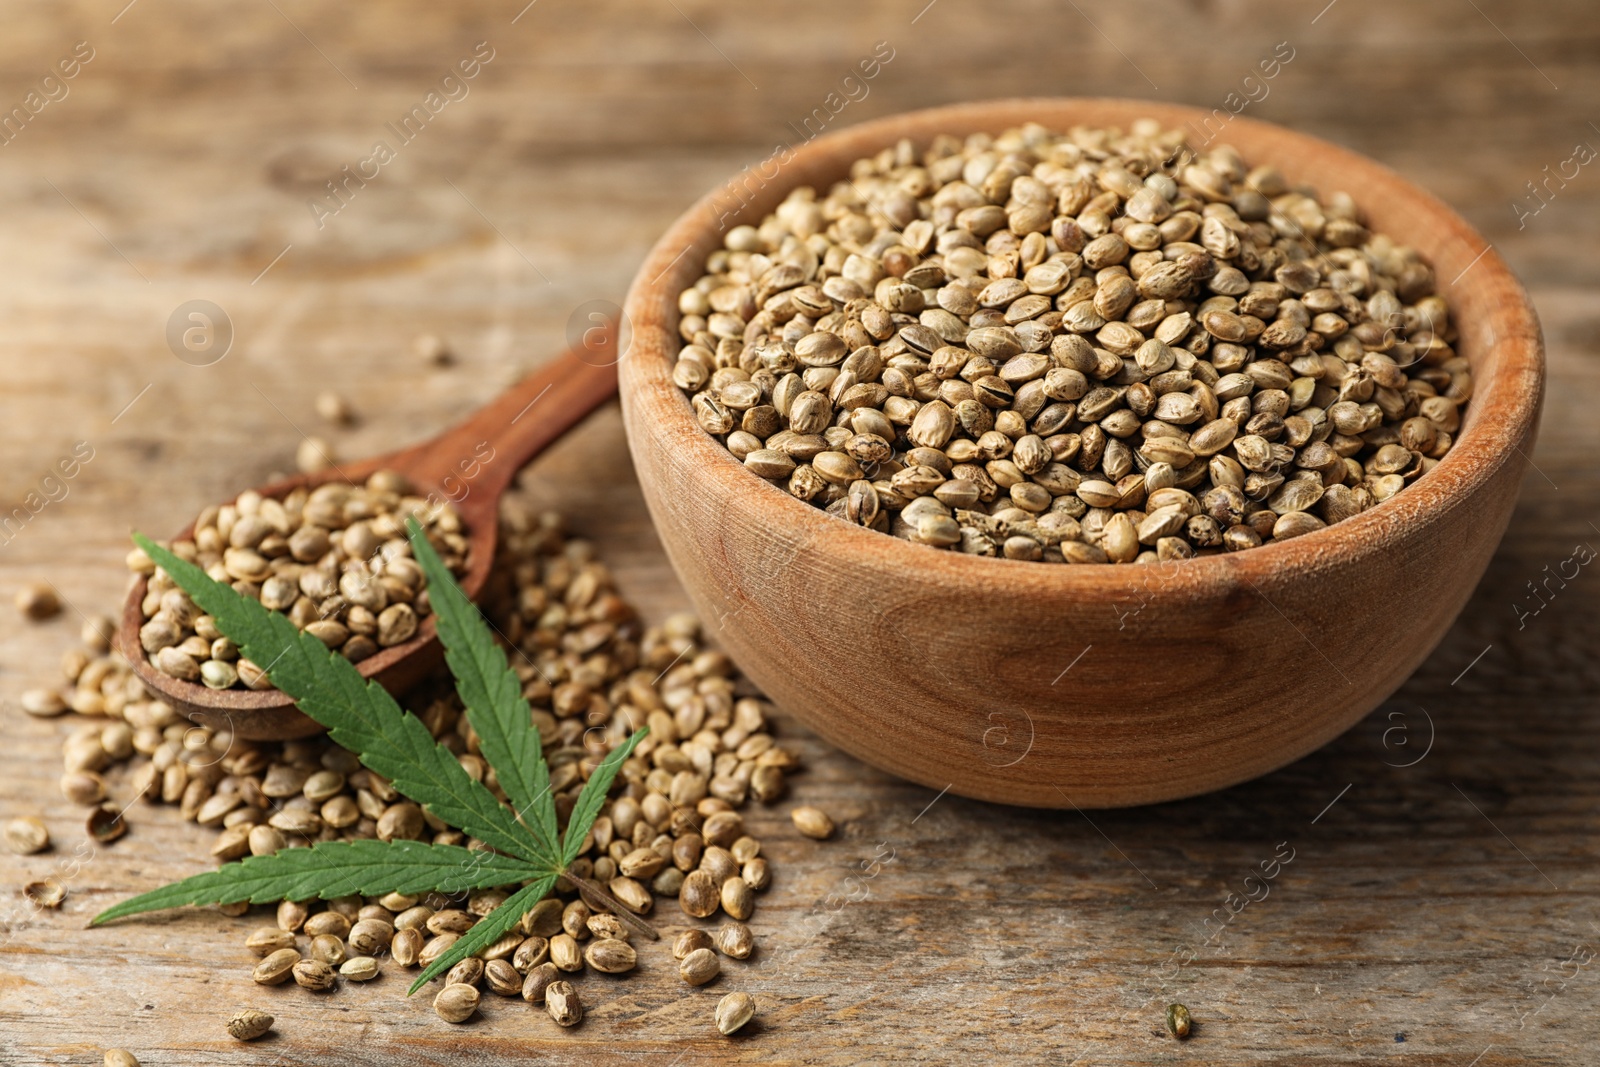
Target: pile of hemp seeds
(1097,346)
(671,829)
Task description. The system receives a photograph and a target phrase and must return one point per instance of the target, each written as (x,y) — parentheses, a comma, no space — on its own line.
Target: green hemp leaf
(522,843)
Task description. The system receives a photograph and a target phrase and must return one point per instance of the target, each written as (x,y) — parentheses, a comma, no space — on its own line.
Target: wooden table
(1443,901)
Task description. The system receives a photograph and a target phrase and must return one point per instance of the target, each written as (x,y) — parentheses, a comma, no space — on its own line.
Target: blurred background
(190,157)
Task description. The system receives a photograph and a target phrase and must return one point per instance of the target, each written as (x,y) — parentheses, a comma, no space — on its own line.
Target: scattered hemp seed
(368,937)
(106,824)
(734,1011)
(276,967)
(83,787)
(700,896)
(249,1024)
(314,455)
(467,972)
(502,978)
(334,409)
(359,969)
(1178,1021)
(42,703)
(608,926)
(329,949)
(456,1003)
(314,975)
(757,873)
(46,894)
(812,822)
(539,979)
(406,948)
(565,954)
(738,899)
(736,940)
(671,830)
(292,914)
(528,955)
(561,1001)
(26,835)
(688,941)
(37,601)
(611,956)
(269,939)
(544,918)
(97,633)
(699,966)
(431,349)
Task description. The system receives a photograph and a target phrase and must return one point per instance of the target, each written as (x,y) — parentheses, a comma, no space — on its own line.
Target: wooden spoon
(471,464)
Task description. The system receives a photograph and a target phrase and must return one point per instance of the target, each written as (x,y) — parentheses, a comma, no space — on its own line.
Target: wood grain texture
(1417,904)
(1047,686)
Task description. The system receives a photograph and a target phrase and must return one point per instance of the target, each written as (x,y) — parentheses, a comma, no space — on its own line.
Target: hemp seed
(734,1011)
(699,966)
(38,601)
(456,1003)
(736,940)
(530,954)
(812,822)
(359,969)
(42,703)
(406,948)
(334,409)
(611,956)
(502,978)
(700,896)
(26,835)
(269,939)
(249,1024)
(565,954)
(737,898)
(561,1001)
(467,972)
(48,893)
(106,824)
(314,974)
(689,941)
(538,981)
(276,968)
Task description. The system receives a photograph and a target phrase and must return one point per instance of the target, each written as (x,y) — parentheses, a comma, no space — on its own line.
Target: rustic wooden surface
(1438,913)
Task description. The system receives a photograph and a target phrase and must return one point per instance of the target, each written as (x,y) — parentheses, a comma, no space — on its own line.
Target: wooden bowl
(1087,686)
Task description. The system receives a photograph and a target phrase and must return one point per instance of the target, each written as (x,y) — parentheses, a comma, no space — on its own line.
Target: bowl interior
(1498,331)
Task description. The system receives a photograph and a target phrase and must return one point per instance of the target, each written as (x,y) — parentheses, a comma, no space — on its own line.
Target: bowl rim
(1498,422)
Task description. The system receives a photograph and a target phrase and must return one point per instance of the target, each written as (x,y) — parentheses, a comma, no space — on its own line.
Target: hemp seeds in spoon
(1089,347)
(333,558)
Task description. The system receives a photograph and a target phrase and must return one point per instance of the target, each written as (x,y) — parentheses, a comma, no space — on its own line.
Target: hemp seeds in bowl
(333,558)
(1092,347)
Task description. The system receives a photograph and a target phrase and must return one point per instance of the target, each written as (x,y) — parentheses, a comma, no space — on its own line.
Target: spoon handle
(473,462)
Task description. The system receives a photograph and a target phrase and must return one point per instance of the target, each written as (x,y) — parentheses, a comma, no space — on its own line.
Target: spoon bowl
(470,466)
(1059,685)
